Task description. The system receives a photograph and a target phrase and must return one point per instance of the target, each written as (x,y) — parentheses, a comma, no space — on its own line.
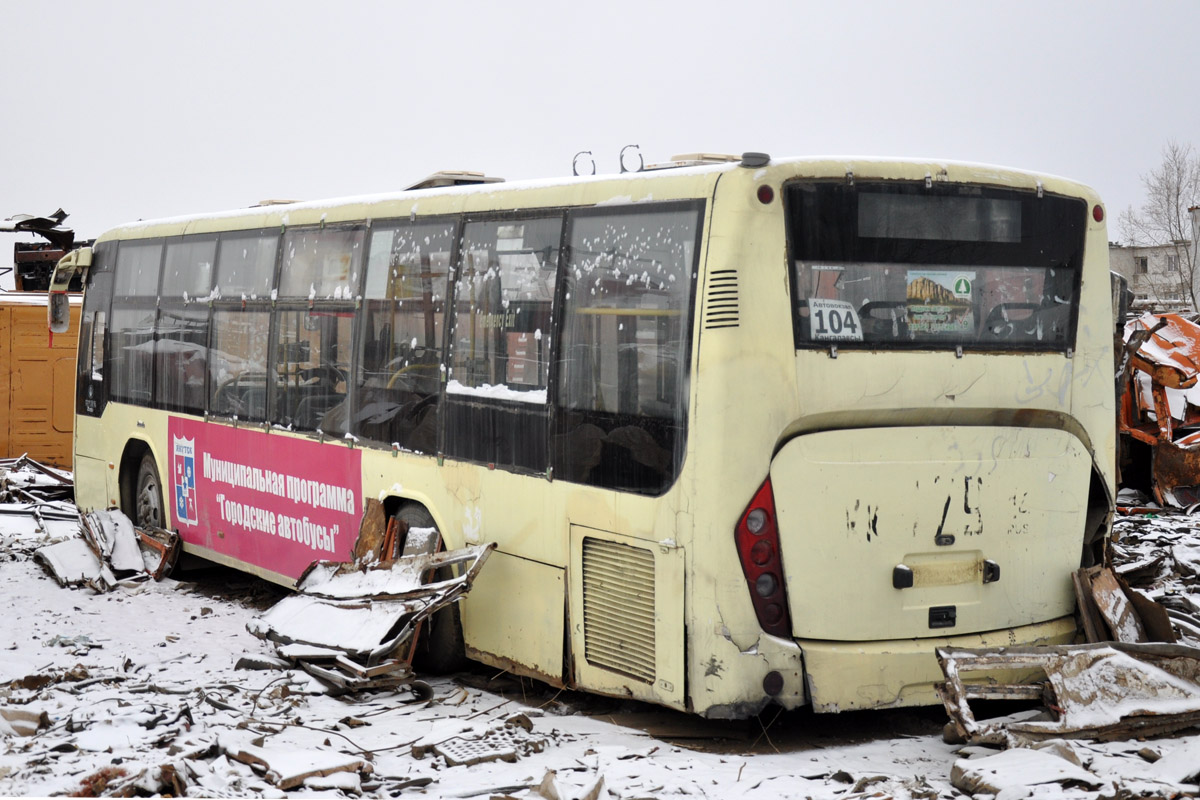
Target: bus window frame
(492,407)
(185,306)
(324,305)
(700,207)
(88,389)
(134,303)
(1077,252)
(258,303)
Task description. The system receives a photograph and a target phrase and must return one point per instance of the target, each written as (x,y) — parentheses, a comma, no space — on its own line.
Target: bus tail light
(757,538)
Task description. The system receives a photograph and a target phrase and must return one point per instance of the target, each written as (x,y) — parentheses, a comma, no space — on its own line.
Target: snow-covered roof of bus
(273,214)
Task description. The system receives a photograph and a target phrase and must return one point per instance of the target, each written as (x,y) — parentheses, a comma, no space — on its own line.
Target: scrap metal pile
(1159,403)
(1137,677)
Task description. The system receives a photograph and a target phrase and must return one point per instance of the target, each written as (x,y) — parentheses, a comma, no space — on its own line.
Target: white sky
(126,110)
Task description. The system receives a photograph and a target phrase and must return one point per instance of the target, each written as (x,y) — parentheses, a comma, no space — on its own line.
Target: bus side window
(131,334)
(241,321)
(90,394)
(181,333)
(622,397)
(318,277)
(398,382)
(497,371)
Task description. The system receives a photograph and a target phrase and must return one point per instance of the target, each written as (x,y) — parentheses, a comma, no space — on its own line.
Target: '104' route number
(833,320)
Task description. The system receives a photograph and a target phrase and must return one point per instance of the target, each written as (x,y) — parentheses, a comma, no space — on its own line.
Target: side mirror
(59,312)
(58,307)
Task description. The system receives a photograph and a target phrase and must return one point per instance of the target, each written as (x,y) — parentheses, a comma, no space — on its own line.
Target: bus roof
(591,192)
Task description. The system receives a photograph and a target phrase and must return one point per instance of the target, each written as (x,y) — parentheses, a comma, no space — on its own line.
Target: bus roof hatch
(695,160)
(453,177)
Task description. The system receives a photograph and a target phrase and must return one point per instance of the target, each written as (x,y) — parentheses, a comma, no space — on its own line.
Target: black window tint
(246,265)
(940,267)
(622,368)
(397,389)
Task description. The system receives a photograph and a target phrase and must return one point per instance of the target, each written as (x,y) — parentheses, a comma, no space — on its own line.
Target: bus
(745,430)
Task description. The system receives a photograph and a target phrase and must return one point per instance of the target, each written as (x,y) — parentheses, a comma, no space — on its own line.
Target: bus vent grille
(721,301)
(618,607)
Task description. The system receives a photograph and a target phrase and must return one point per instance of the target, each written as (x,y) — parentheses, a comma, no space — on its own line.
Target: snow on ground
(141,695)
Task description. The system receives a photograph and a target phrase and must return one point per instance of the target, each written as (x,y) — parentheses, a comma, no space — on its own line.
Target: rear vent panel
(721,300)
(618,607)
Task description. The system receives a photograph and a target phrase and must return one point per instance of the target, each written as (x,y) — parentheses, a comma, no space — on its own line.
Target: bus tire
(440,647)
(148,496)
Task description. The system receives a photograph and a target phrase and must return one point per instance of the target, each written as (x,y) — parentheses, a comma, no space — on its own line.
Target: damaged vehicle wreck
(742,430)
(1160,408)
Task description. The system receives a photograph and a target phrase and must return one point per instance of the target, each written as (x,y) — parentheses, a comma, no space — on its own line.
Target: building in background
(1153,273)
(1158,273)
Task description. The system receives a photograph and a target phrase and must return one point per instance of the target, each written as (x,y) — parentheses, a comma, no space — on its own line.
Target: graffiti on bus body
(272,501)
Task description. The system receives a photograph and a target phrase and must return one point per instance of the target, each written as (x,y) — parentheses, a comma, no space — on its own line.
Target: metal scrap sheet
(367,612)
(1095,691)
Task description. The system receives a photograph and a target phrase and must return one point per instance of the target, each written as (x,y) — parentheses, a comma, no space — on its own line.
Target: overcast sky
(121,111)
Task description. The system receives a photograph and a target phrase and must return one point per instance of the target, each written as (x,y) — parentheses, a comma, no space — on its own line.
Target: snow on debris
(137,691)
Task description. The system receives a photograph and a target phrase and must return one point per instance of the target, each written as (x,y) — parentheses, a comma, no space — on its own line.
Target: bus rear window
(941,267)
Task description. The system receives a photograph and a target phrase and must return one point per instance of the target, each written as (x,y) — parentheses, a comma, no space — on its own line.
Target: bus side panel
(274,501)
(627,602)
(516,611)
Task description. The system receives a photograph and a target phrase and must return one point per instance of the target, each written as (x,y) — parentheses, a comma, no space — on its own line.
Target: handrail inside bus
(630,312)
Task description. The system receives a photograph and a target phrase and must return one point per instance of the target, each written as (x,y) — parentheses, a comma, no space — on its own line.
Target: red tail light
(757,537)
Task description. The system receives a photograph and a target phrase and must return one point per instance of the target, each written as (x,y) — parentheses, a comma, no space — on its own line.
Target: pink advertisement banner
(272,501)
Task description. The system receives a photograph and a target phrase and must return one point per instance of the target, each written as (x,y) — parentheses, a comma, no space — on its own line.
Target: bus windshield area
(944,266)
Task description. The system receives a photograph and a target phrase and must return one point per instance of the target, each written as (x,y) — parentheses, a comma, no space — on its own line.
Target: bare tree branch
(1163,220)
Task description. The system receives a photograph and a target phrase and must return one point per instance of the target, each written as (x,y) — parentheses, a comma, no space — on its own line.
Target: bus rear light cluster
(757,538)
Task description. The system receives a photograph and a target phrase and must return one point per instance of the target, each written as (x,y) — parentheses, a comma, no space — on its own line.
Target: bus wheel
(440,646)
(147,499)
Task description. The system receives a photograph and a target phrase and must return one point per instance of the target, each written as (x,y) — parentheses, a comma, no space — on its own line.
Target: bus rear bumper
(842,676)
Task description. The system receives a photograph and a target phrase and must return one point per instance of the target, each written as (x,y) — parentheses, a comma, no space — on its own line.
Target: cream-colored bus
(744,430)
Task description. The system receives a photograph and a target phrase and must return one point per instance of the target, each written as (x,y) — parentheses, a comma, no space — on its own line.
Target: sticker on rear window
(940,301)
(833,320)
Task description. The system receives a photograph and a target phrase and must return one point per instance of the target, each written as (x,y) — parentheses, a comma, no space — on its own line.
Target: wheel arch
(127,470)
(393,503)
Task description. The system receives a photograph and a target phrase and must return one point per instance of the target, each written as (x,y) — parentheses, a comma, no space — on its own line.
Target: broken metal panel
(1116,608)
(368,613)
(288,768)
(160,550)
(106,550)
(368,547)
(1013,772)
(73,562)
(1095,691)
(1176,471)
(111,535)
